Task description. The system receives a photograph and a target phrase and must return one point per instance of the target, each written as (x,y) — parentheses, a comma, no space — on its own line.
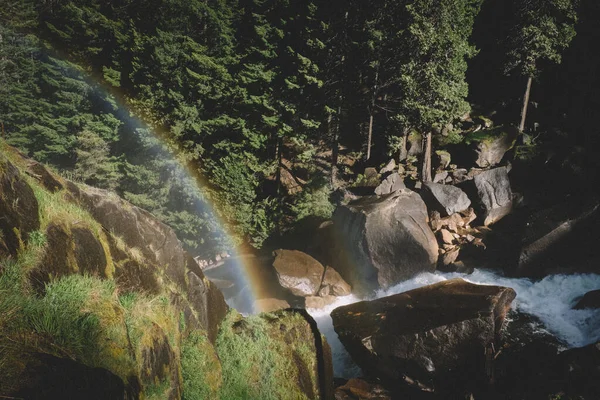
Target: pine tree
(543,29)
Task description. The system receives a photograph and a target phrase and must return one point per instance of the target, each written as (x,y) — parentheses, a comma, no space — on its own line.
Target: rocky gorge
(101,293)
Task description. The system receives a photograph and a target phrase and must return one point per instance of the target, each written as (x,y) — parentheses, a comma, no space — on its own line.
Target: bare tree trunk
(426,170)
(334,150)
(370,135)
(404,146)
(525,103)
(279,163)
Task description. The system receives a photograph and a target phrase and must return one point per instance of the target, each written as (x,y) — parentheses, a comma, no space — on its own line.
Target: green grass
(200,368)
(256,359)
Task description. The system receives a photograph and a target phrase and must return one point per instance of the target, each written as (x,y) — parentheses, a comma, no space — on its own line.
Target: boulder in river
(435,336)
(589,300)
(298,272)
(385,240)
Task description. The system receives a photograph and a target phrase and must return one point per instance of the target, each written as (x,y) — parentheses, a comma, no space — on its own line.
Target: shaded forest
(277,104)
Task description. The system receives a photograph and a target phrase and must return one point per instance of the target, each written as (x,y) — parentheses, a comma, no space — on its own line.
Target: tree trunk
(370,135)
(334,149)
(525,103)
(403,146)
(426,170)
(279,163)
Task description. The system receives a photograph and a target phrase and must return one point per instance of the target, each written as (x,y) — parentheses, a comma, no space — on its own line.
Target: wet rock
(386,240)
(298,272)
(19,214)
(446,199)
(333,284)
(436,335)
(589,300)
(390,184)
(319,301)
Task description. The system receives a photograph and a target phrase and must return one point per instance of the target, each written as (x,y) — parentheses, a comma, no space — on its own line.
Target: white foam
(551,300)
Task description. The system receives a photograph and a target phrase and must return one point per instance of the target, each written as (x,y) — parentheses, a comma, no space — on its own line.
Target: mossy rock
(276,355)
(18,209)
(44,378)
(47,179)
(70,250)
(160,368)
(490,145)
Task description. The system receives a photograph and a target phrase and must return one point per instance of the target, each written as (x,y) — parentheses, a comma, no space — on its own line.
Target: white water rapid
(550,300)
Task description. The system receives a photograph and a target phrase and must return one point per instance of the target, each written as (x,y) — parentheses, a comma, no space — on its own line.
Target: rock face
(436,335)
(492,194)
(390,184)
(446,199)
(111,306)
(385,239)
(18,209)
(298,272)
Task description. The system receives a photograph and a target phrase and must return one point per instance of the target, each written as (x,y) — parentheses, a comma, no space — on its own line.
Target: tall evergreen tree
(543,29)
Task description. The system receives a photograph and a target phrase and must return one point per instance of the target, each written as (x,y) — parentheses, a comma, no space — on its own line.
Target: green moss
(486,135)
(264,357)
(200,367)
(158,391)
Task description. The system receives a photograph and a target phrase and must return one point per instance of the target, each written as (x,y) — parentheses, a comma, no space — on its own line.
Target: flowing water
(550,300)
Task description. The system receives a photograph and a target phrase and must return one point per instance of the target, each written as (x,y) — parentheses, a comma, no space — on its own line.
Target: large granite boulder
(491,194)
(446,199)
(18,209)
(298,272)
(435,336)
(384,240)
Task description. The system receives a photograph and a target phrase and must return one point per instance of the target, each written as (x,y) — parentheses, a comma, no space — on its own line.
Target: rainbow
(244,269)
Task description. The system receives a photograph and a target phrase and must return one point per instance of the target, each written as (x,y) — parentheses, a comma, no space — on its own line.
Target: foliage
(544,28)
(314,201)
